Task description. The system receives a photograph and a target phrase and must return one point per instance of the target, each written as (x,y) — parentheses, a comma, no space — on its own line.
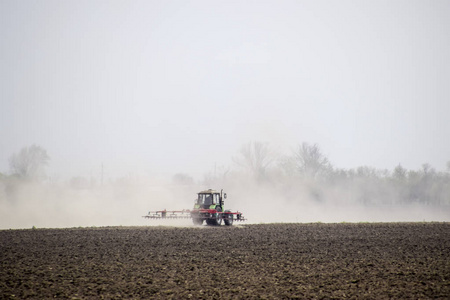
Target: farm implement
(208,207)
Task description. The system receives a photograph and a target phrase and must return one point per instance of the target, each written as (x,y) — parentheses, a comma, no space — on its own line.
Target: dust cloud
(269,207)
(44,205)
(124,202)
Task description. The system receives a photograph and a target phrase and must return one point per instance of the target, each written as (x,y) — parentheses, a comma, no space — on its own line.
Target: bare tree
(399,173)
(309,161)
(255,157)
(29,163)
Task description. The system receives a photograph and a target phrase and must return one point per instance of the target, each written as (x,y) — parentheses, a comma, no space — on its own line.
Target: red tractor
(209,207)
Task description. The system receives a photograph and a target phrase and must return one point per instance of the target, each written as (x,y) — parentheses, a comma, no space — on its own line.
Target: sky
(161,87)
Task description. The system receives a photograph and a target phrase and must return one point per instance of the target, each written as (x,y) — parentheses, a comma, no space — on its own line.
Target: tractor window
(206,199)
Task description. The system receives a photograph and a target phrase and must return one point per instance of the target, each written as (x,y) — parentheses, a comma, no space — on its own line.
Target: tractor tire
(197,221)
(217,220)
(228,218)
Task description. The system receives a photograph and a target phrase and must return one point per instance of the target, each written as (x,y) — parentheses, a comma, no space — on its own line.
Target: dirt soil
(373,261)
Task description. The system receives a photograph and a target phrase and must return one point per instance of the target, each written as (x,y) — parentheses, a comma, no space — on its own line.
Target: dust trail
(262,205)
(24,205)
(45,205)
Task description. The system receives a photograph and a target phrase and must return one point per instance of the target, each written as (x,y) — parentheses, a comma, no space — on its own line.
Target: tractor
(208,207)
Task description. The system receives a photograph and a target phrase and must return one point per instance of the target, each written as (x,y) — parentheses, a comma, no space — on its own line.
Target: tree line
(306,171)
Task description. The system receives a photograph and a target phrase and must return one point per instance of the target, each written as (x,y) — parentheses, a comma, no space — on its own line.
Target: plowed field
(373,261)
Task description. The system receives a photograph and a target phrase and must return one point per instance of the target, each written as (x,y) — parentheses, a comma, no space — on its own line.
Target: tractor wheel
(217,220)
(228,218)
(197,221)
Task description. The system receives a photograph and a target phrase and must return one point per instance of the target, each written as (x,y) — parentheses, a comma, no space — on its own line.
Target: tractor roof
(210,191)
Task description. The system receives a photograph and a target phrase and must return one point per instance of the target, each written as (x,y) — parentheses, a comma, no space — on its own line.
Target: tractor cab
(210,199)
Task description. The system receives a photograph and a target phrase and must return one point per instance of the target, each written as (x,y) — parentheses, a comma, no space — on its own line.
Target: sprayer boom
(169,214)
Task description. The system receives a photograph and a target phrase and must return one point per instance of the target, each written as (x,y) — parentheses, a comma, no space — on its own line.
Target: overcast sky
(178,86)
